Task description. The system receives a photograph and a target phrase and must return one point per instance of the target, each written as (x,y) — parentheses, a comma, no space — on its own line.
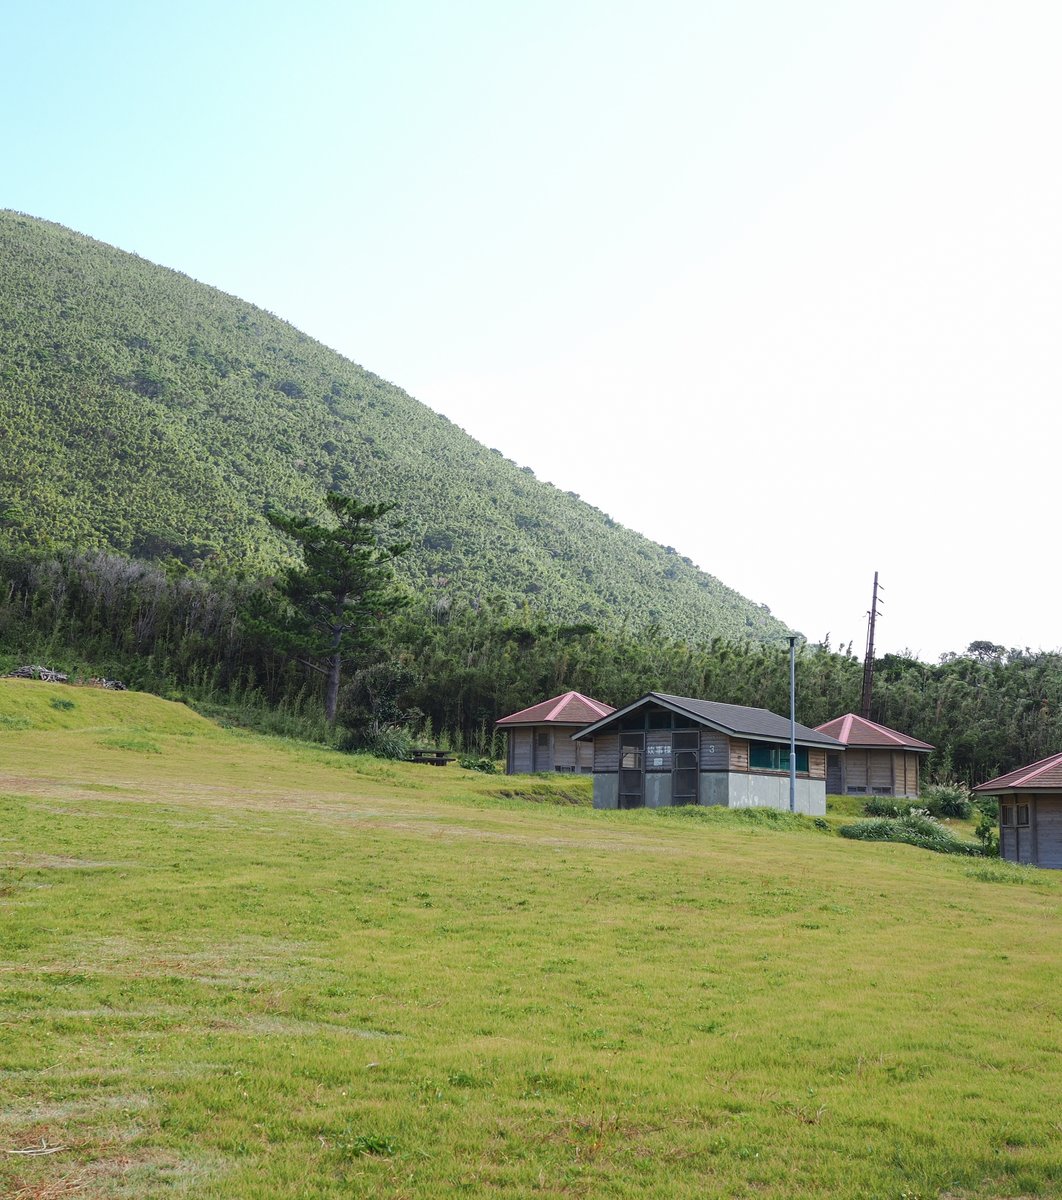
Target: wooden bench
(434,758)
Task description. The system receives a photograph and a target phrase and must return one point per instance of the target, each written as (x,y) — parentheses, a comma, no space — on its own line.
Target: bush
(472,762)
(887,806)
(987,832)
(387,743)
(917,828)
(947,799)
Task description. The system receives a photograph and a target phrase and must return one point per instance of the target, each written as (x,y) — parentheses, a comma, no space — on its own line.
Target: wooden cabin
(666,750)
(876,761)
(540,737)
(1030,812)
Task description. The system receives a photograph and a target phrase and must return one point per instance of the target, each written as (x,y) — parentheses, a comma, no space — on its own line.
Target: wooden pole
(868,662)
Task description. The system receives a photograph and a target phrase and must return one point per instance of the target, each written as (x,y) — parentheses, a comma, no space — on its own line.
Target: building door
(685,769)
(632,770)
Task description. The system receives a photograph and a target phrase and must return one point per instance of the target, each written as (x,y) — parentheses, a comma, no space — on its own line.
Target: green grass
(240,967)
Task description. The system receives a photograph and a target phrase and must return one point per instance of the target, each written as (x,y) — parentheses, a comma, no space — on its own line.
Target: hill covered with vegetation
(143,412)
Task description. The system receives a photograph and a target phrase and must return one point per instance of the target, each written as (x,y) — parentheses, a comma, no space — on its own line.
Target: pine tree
(344,589)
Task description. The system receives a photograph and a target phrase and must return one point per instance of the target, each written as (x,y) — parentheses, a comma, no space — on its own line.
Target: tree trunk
(332,688)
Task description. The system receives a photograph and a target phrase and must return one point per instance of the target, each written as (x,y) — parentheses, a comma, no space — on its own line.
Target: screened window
(542,738)
(1022,814)
(1006,814)
(768,756)
(631,758)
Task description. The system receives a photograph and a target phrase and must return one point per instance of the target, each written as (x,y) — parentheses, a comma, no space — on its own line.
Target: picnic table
(434,758)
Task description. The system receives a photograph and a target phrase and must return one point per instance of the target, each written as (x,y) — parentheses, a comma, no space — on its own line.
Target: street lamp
(792,722)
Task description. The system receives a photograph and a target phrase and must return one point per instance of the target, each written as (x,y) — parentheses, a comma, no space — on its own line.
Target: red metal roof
(573,708)
(859,733)
(1042,776)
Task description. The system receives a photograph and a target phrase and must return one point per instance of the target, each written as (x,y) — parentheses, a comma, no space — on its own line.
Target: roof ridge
(1035,769)
(889,733)
(562,702)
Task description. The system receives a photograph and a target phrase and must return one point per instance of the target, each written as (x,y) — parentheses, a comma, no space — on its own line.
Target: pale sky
(777,283)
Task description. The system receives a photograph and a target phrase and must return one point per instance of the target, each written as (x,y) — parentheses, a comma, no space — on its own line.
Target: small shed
(540,737)
(664,750)
(877,761)
(1030,812)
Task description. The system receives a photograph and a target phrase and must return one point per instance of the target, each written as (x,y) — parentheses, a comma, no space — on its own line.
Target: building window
(542,739)
(1006,814)
(767,756)
(1022,814)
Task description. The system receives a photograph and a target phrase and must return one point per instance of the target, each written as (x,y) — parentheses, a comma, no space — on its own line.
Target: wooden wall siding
(881,771)
(856,770)
(905,773)
(522,751)
(817,764)
(1047,813)
(563,750)
(658,750)
(606,752)
(715,751)
(739,755)
(584,755)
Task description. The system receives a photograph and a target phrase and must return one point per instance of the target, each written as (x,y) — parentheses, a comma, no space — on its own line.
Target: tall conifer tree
(344,589)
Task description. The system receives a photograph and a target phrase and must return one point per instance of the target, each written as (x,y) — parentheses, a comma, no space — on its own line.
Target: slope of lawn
(237,967)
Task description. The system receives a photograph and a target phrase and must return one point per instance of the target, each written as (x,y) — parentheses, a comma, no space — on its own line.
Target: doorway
(632,770)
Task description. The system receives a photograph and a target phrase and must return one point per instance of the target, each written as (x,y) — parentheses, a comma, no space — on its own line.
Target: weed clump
(916,828)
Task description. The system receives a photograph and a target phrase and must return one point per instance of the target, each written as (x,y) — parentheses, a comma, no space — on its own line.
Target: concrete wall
(657,789)
(733,789)
(772,791)
(606,791)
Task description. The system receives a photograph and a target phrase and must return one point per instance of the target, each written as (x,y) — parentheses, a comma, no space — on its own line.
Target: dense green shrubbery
(937,799)
(917,828)
(475,762)
(948,798)
(888,806)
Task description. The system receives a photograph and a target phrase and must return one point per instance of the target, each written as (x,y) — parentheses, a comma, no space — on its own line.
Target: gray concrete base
(731,789)
(658,789)
(606,791)
(772,791)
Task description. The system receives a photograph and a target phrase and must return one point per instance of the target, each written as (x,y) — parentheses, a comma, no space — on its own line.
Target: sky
(778,284)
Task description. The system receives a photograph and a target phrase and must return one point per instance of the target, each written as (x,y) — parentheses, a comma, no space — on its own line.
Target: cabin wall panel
(522,751)
(715,751)
(1048,817)
(881,771)
(563,750)
(606,752)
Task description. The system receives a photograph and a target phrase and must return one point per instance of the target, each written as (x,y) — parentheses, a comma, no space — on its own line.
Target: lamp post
(792,722)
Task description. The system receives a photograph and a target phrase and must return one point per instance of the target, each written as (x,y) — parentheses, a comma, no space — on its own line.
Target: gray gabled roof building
(736,719)
(664,750)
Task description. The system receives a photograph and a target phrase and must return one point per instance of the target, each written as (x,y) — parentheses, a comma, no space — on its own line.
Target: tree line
(437,668)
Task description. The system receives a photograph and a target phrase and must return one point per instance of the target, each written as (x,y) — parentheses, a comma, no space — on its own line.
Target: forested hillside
(451,673)
(144,412)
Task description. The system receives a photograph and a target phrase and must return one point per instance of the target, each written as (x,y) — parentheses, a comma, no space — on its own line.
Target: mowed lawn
(236,967)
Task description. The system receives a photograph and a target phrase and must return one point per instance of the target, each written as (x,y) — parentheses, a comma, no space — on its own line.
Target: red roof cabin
(877,761)
(540,737)
(1030,812)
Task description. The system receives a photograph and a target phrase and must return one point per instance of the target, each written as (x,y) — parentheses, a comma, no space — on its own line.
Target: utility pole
(868,662)
(792,723)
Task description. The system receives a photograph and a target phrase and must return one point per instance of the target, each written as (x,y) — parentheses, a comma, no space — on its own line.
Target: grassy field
(237,967)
